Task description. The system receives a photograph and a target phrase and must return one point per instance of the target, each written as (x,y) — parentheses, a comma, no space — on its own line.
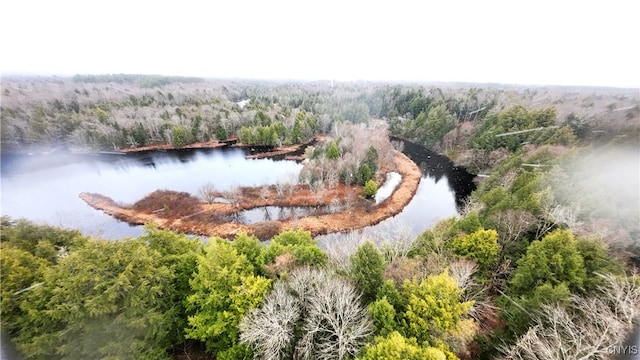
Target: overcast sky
(519,42)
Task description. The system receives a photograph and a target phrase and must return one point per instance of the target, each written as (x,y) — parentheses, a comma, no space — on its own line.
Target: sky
(594,43)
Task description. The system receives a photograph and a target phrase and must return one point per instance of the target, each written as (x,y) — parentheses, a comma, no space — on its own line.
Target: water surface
(46,188)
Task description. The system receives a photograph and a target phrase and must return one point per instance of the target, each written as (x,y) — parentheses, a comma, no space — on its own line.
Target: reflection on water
(275,213)
(438,167)
(46,188)
(391,182)
(443,188)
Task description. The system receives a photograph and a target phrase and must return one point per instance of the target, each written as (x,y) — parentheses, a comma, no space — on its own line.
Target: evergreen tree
(366,269)
(224,288)
(554,260)
(370,189)
(333,152)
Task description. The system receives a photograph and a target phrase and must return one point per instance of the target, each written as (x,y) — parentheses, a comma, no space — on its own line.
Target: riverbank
(184,213)
(256,151)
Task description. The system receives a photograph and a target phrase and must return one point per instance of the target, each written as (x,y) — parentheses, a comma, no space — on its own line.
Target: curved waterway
(45,188)
(443,189)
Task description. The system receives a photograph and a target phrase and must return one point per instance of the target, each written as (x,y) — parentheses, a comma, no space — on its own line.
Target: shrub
(370,189)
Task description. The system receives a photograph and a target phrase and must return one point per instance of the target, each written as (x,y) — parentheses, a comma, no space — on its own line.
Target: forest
(541,261)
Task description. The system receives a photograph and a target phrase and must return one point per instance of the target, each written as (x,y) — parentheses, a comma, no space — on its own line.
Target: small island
(333,177)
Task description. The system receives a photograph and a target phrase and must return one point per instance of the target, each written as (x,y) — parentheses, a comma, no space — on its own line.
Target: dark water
(45,188)
(437,167)
(443,188)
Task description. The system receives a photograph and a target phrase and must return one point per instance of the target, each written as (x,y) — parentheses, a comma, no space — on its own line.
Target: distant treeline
(147,81)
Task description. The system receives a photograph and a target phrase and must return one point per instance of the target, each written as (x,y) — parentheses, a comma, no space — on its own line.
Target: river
(45,188)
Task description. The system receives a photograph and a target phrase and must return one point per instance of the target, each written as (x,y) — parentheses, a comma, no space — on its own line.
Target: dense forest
(541,262)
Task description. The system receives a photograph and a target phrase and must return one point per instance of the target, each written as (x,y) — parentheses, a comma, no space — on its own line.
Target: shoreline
(267,151)
(198,220)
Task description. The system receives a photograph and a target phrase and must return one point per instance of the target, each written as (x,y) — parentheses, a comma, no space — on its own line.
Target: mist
(602,185)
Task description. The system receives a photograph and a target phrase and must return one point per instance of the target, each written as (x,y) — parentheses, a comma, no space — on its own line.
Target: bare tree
(319,190)
(586,329)
(233,195)
(270,329)
(280,191)
(325,308)
(208,193)
(332,177)
(469,205)
(264,192)
(340,247)
(552,215)
(462,271)
(511,225)
(565,215)
(336,325)
(394,238)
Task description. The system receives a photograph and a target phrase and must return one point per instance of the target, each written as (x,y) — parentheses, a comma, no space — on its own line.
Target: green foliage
(333,153)
(249,246)
(519,118)
(304,127)
(383,315)
(434,309)
(366,269)
(143,80)
(364,174)
(179,254)
(435,240)
(395,346)
(43,241)
(221,133)
(467,224)
(237,351)
(370,189)
(20,270)
(480,246)
(597,261)
(106,299)
(411,101)
(524,192)
(181,136)
(389,291)
(297,243)
(371,159)
(139,135)
(246,135)
(259,135)
(518,315)
(262,119)
(224,289)
(554,260)
(430,127)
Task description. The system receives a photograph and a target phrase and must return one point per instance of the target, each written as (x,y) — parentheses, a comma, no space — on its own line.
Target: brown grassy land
(184,213)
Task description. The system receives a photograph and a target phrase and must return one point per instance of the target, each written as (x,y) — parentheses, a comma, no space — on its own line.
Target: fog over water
(45,188)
